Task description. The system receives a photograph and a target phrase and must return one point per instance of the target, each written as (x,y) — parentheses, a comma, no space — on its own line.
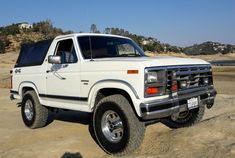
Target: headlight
(152,77)
(155,82)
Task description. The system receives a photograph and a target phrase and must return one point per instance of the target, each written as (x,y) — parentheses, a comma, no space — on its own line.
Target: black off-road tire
(193,116)
(40,114)
(133,129)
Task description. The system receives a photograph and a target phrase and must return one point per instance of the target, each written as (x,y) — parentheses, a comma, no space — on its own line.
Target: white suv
(110,77)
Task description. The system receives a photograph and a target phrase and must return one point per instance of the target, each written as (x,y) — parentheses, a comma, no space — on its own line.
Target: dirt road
(69,134)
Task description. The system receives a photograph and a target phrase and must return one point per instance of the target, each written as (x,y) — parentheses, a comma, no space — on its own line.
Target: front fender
(116,84)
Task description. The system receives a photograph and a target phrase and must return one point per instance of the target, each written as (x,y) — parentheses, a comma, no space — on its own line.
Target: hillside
(208,48)
(13,36)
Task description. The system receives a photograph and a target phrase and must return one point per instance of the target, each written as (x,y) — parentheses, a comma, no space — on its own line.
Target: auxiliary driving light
(205,81)
(183,84)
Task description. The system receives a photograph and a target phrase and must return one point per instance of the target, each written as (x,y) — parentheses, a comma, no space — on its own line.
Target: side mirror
(53,59)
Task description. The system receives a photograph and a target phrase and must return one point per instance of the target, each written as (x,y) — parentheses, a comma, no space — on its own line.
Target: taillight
(11,79)
(11,82)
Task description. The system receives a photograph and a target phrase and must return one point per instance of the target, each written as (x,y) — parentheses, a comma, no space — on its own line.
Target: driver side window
(65,49)
(126,49)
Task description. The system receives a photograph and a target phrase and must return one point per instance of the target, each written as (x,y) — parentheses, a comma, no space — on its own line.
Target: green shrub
(9,30)
(3,44)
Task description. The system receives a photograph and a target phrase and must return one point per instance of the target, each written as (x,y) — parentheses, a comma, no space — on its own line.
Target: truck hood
(133,63)
(154,61)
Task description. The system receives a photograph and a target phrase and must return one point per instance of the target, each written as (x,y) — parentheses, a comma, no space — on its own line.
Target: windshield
(104,47)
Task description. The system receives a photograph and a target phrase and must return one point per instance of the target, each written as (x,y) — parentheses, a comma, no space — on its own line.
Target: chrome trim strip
(63,97)
(179,66)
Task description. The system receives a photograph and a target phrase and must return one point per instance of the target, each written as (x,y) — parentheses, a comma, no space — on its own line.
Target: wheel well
(111,91)
(25,89)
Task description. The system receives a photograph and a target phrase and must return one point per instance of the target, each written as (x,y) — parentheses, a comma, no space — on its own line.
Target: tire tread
(137,128)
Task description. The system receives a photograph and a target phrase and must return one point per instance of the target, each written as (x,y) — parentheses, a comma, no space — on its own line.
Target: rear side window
(33,54)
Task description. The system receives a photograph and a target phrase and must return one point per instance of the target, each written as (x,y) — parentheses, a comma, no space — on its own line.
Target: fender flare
(27,84)
(111,83)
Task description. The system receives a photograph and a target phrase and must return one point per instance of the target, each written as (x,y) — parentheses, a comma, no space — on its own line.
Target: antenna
(90,48)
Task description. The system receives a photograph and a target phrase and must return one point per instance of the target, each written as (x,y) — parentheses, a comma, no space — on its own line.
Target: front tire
(185,119)
(34,115)
(117,129)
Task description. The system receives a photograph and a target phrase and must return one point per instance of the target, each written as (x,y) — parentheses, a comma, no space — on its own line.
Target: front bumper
(177,102)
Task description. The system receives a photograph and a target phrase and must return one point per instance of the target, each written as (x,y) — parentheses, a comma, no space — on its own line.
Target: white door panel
(63,80)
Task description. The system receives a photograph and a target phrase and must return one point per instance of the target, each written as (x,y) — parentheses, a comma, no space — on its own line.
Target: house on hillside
(25,25)
(145,42)
(150,40)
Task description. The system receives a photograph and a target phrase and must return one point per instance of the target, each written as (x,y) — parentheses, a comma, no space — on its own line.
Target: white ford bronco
(110,77)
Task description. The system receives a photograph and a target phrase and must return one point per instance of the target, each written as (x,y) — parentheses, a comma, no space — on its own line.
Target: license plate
(192,103)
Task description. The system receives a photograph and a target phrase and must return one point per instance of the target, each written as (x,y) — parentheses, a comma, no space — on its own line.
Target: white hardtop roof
(89,34)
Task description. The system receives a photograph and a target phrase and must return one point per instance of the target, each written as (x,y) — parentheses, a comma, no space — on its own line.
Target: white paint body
(100,73)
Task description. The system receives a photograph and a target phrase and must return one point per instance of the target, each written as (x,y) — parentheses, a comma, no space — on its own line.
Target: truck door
(63,80)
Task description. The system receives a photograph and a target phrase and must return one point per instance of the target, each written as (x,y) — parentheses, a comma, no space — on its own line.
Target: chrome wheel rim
(28,110)
(112,126)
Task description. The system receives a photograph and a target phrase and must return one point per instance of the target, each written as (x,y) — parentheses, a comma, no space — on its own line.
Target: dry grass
(223,68)
(5,82)
(152,54)
(230,56)
(7,62)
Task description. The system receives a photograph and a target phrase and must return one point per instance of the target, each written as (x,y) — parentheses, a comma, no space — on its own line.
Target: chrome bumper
(176,103)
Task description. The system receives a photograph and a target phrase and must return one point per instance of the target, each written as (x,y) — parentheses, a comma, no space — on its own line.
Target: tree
(93,28)
(9,30)
(44,27)
(2,46)
(107,30)
(48,30)
(4,42)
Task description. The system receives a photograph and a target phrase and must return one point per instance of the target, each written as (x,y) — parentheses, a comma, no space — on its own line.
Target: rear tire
(34,115)
(186,119)
(116,127)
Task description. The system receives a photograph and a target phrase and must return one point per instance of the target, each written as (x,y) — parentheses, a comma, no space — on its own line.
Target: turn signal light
(152,90)
(174,87)
(132,71)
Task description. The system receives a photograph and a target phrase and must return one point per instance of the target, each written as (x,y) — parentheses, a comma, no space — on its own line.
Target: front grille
(188,77)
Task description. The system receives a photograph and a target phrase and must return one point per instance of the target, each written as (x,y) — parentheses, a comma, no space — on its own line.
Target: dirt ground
(70,135)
